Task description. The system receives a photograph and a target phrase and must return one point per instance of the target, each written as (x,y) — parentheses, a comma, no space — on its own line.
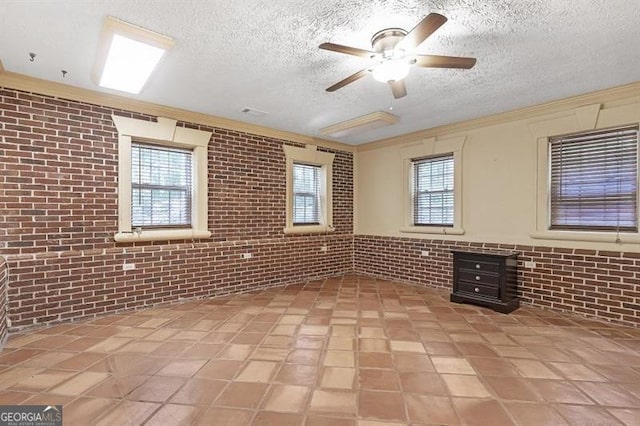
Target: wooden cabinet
(486,278)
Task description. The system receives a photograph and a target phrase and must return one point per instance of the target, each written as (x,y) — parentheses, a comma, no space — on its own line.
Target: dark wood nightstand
(487,278)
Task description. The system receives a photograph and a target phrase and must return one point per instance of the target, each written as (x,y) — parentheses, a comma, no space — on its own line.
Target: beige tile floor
(344,351)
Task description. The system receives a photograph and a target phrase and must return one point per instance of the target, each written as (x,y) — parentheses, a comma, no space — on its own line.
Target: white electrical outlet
(424,253)
(247,255)
(128,266)
(324,248)
(529,264)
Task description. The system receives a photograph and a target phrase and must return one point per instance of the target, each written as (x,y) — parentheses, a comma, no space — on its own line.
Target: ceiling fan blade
(350,79)
(346,49)
(422,31)
(399,89)
(435,61)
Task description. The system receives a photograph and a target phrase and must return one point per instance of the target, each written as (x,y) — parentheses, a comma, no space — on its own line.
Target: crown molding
(599,97)
(31,84)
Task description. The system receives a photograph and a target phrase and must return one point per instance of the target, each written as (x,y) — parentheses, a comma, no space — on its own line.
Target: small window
(161,186)
(594,180)
(162,182)
(433,191)
(309,180)
(306,194)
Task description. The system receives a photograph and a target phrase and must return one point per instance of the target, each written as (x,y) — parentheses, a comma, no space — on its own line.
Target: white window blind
(433,200)
(161,186)
(306,194)
(594,180)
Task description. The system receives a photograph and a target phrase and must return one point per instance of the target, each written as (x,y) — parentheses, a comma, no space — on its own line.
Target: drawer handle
(476,289)
(477,266)
(477,277)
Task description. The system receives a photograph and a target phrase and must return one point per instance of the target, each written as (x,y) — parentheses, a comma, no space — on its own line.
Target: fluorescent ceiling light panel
(361,124)
(129,64)
(127,56)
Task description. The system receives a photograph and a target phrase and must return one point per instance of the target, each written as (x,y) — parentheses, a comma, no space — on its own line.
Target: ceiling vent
(361,124)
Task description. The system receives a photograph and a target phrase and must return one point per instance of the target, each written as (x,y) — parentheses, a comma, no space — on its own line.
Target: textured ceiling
(231,54)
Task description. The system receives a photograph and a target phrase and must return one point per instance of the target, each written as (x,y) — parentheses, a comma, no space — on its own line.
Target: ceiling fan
(393,55)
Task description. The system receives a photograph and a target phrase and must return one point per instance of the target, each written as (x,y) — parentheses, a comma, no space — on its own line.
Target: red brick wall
(4,275)
(58,190)
(597,284)
(58,198)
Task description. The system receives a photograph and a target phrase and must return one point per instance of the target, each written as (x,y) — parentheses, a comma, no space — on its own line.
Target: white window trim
(163,132)
(590,117)
(433,147)
(310,155)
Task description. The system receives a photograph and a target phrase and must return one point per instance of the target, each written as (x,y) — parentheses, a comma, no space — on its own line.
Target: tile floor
(345,351)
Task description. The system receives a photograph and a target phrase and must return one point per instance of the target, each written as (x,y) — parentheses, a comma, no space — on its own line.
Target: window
(309,180)
(160,186)
(433,197)
(432,186)
(306,194)
(594,180)
(162,182)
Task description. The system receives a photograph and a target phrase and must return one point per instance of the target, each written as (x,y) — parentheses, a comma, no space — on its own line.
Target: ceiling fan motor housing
(387,39)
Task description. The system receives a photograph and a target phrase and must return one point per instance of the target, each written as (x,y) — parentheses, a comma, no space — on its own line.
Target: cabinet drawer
(477,289)
(491,280)
(479,265)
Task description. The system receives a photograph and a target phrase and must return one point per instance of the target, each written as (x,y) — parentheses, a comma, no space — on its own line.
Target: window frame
(562,139)
(584,118)
(314,196)
(188,189)
(311,156)
(162,132)
(414,189)
(433,148)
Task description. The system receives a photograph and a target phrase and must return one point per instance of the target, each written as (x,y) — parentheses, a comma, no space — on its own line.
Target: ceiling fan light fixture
(394,54)
(391,70)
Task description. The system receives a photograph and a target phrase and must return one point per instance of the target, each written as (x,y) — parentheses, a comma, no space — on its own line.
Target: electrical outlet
(529,264)
(324,248)
(128,266)
(247,255)
(424,253)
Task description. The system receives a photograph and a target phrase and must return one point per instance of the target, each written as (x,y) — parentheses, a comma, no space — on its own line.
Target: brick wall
(597,284)
(58,189)
(58,197)
(4,275)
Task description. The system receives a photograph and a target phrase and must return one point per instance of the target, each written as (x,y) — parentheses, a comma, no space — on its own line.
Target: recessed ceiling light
(127,55)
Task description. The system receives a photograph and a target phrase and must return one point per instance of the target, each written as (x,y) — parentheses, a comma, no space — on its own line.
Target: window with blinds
(161,186)
(306,194)
(594,180)
(433,200)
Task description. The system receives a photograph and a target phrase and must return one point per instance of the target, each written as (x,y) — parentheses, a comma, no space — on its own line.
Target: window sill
(602,237)
(432,230)
(308,229)
(162,235)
